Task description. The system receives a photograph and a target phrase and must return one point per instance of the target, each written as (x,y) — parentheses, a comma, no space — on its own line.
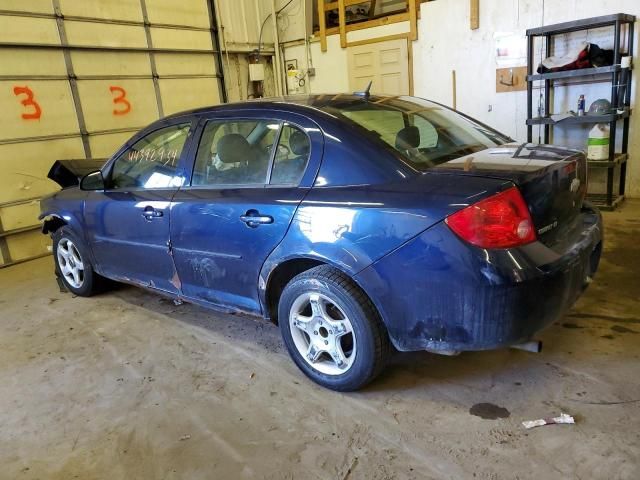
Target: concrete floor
(128,386)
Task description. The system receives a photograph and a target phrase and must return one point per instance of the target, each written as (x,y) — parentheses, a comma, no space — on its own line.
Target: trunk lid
(552,180)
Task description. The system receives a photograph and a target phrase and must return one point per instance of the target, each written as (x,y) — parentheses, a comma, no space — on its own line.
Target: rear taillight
(500,221)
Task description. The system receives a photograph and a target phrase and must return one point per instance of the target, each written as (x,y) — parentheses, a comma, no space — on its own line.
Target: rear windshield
(425,134)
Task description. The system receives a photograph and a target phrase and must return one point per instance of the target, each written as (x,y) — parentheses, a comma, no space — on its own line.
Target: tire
(332,330)
(73,264)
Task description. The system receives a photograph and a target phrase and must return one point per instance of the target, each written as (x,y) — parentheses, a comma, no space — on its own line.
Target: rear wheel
(332,330)
(73,265)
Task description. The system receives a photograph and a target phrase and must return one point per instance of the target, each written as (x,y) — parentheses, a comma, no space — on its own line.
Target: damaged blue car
(358,223)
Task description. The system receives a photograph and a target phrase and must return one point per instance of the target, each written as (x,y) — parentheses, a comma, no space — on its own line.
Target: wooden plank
(474,14)
(413,21)
(342,24)
(347,3)
(367,41)
(372,9)
(454,103)
(323,27)
(410,54)
(376,22)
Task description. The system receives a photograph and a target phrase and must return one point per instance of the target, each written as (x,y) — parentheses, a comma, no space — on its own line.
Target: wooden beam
(372,9)
(367,41)
(413,21)
(342,24)
(474,14)
(454,99)
(323,28)
(410,59)
(347,3)
(376,22)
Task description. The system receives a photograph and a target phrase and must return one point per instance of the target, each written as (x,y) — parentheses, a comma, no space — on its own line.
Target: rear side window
(423,133)
(235,152)
(291,156)
(152,162)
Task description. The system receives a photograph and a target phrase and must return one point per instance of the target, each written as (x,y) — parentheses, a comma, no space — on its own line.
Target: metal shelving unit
(610,74)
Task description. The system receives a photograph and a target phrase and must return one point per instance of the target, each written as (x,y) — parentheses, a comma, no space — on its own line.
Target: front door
(128,223)
(249,177)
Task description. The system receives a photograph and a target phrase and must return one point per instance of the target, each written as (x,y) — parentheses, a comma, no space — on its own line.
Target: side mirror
(92,181)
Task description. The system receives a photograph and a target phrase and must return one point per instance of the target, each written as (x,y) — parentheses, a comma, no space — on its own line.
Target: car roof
(310,104)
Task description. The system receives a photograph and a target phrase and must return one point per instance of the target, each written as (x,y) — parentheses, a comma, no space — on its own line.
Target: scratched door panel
(117,104)
(34,108)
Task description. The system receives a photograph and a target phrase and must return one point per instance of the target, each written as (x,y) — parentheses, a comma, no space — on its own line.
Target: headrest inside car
(234,148)
(408,137)
(299,143)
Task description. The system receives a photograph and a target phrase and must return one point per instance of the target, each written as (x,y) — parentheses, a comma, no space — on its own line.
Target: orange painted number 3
(125,106)
(27,102)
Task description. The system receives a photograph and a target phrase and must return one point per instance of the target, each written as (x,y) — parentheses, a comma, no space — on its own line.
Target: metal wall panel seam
(4,248)
(111,21)
(72,79)
(15,231)
(152,59)
(23,260)
(62,136)
(215,43)
(23,201)
(106,48)
(106,77)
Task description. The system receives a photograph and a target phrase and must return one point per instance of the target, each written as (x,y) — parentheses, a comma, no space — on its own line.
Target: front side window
(235,152)
(152,162)
(291,157)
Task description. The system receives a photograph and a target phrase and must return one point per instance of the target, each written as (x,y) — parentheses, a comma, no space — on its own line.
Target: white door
(386,64)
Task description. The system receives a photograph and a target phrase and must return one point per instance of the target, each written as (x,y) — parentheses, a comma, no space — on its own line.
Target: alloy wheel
(322,333)
(70,262)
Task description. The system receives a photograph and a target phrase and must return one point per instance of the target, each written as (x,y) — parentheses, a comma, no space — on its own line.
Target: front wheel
(332,330)
(73,265)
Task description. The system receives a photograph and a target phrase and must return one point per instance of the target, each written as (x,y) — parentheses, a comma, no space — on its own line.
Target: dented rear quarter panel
(352,227)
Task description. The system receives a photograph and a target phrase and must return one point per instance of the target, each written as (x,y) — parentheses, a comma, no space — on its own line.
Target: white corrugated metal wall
(77,78)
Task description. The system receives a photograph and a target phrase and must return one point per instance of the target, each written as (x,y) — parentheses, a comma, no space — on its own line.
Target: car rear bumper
(438,293)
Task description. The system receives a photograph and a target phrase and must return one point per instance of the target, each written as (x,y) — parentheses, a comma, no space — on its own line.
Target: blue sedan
(358,223)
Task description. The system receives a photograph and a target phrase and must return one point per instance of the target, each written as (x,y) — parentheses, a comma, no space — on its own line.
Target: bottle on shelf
(581,105)
(598,142)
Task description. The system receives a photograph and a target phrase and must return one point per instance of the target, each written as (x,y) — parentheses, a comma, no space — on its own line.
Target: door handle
(149,213)
(253,219)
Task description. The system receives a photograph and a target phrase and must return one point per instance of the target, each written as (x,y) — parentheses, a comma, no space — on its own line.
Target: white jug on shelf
(598,142)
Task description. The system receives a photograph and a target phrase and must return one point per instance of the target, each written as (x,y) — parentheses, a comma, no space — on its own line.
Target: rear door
(250,173)
(128,222)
